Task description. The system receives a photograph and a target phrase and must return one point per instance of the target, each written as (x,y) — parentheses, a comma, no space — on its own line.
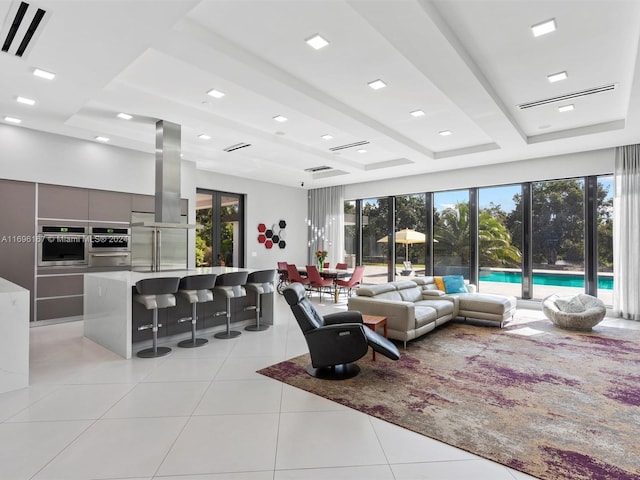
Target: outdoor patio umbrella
(408,237)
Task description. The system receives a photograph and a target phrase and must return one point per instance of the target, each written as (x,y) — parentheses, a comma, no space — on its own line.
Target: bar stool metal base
(151,353)
(231,334)
(256,328)
(193,342)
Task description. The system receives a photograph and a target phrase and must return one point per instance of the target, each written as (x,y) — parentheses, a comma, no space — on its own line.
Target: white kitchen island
(108,305)
(14,336)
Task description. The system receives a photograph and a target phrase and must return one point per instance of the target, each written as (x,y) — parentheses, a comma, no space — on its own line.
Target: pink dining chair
(353,282)
(294,276)
(316,282)
(341,266)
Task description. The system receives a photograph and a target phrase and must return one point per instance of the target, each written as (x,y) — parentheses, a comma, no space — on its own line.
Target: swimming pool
(555,279)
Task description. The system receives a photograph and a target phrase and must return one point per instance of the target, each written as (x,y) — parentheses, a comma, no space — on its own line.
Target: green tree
(494,239)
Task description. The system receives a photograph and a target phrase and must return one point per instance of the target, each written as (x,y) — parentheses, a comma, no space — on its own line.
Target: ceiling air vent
(237,146)
(20,28)
(349,145)
(569,96)
(317,169)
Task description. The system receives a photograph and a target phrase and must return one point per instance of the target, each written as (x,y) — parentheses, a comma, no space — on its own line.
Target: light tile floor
(204,414)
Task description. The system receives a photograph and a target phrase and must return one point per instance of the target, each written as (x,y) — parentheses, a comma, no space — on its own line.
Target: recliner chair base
(335,372)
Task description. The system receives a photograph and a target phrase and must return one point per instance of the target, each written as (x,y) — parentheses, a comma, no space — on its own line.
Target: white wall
(596,162)
(266,203)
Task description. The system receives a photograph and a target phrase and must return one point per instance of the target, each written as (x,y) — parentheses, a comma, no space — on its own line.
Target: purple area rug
(552,403)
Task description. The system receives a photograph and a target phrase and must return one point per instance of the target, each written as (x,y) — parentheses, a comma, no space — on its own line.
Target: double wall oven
(71,246)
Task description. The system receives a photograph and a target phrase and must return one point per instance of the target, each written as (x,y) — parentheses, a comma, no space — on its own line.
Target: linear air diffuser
(237,146)
(349,145)
(20,28)
(317,169)
(569,96)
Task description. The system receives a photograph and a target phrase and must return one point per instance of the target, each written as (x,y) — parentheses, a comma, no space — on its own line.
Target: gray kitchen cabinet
(109,206)
(56,201)
(143,203)
(17,232)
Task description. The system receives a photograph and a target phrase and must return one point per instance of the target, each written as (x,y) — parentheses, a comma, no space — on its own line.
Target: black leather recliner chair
(334,340)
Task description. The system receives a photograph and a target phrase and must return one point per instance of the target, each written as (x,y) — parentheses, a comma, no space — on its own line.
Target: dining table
(332,273)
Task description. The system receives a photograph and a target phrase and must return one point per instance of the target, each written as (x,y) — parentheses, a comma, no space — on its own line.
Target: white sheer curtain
(626,233)
(326,223)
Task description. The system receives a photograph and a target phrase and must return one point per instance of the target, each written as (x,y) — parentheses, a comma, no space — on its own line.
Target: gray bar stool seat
(259,282)
(229,286)
(196,289)
(155,293)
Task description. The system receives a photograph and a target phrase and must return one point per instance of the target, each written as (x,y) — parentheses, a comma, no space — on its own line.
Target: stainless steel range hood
(167,194)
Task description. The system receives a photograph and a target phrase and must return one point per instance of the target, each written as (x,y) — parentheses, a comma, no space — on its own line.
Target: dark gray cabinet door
(109,206)
(55,201)
(17,232)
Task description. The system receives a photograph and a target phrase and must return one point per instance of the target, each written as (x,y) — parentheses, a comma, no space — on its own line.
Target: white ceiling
(466,64)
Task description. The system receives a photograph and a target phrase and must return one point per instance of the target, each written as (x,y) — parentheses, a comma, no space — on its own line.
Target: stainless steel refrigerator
(157,248)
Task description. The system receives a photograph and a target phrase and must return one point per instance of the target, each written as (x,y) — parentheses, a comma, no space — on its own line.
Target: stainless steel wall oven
(110,247)
(61,246)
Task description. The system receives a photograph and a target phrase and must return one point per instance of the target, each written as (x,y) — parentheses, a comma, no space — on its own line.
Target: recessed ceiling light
(44,74)
(124,116)
(26,101)
(280,118)
(556,77)
(215,93)
(565,108)
(377,84)
(417,113)
(102,139)
(204,136)
(362,150)
(13,120)
(543,28)
(317,41)
(326,137)
(445,133)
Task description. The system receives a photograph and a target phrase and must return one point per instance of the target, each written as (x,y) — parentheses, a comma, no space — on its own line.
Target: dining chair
(341,266)
(352,282)
(294,276)
(326,265)
(316,282)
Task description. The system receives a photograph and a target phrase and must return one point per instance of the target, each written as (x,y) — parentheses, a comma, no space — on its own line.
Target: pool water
(555,279)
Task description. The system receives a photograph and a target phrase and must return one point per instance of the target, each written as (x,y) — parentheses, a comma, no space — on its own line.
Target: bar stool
(259,282)
(230,285)
(155,293)
(196,289)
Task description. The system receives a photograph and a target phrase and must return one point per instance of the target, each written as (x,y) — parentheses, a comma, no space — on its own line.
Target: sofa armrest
(400,315)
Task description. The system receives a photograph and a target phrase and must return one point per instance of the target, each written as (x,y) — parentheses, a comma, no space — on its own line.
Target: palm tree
(452,233)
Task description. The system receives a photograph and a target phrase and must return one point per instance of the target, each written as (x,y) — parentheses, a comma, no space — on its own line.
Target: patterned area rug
(551,403)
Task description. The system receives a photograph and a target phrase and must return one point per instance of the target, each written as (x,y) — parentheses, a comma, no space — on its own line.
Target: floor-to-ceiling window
(411,234)
(528,240)
(605,239)
(350,234)
(220,242)
(375,250)
(500,240)
(558,237)
(451,246)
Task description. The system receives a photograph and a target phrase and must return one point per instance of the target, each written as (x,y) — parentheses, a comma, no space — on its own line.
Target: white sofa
(415,307)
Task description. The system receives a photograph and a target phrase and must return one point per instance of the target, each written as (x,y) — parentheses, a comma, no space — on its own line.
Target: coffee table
(374,322)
